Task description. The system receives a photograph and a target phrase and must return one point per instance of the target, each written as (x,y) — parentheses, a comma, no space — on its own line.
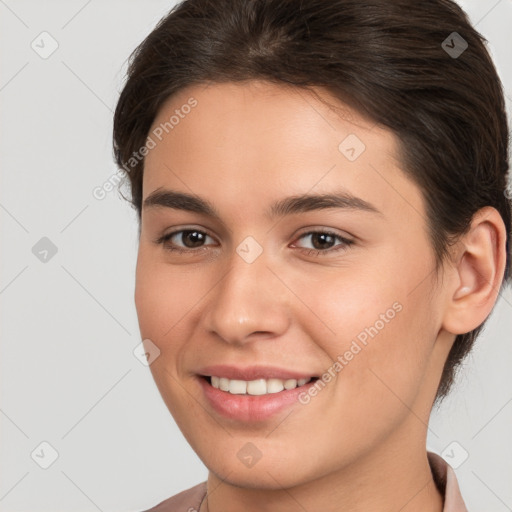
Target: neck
(395,476)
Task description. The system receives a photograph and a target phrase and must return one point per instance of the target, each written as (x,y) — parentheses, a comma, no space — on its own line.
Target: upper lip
(252,372)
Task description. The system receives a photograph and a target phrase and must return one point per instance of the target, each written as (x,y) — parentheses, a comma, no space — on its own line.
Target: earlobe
(478,272)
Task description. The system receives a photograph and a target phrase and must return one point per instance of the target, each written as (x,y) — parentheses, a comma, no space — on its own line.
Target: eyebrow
(165,198)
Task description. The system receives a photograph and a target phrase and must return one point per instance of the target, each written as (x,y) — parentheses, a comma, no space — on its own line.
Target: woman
(324,229)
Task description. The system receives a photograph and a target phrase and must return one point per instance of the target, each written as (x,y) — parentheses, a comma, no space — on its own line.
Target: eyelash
(309,252)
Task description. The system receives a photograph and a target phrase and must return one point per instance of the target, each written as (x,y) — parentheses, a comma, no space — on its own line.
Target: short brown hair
(388,59)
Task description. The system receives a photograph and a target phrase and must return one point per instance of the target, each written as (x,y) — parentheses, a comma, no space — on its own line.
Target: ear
(476,276)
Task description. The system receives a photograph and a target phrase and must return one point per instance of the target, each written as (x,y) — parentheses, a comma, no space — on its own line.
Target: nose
(248,303)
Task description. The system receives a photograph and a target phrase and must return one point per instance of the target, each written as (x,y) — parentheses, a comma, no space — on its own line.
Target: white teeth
(290,384)
(224,384)
(238,387)
(275,385)
(255,387)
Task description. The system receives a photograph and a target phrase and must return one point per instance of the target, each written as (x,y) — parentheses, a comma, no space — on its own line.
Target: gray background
(68,373)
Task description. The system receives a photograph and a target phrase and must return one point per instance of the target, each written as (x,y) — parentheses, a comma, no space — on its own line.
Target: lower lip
(251,408)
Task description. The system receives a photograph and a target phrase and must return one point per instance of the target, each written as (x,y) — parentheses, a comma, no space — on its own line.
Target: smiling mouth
(256,387)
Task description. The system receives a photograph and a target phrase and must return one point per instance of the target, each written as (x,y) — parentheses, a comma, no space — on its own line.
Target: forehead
(260,139)
(264,108)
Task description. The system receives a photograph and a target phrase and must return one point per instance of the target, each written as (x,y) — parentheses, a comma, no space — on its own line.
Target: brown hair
(388,59)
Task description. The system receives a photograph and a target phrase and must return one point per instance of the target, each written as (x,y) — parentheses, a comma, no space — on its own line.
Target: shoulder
(446,481)
(185,501)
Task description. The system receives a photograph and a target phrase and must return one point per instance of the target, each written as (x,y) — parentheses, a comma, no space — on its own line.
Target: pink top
(444,477)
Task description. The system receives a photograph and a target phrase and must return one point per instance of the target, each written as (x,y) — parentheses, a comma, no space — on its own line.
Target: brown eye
(324,242)
(191,239)
(184,240)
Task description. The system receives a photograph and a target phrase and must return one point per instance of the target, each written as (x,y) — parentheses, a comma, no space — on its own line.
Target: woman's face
(265,284)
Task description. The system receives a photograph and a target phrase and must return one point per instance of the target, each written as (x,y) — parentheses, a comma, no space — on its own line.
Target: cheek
(165,300)
(379,330)
(163,295)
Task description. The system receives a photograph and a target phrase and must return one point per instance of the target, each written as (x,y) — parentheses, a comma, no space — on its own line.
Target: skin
(360,443)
